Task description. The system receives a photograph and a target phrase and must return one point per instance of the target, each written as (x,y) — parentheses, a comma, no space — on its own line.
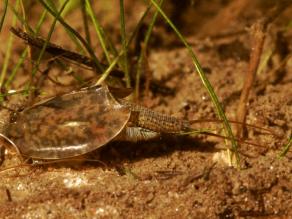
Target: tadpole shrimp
(82,121)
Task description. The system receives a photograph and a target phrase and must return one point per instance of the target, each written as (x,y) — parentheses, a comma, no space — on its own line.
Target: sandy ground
(175,176)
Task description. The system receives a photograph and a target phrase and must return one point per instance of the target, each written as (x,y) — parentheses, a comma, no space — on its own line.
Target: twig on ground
(258,31)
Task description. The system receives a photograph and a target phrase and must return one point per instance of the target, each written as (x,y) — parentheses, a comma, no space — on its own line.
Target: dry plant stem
(56,50)
(258,32)
(52,48)
(8,194)
(256,51)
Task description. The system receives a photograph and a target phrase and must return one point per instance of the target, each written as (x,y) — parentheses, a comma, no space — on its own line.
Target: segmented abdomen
(154,121)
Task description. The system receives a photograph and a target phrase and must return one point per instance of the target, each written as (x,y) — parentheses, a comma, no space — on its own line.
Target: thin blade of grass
(20,18)
(105,41)
(98,66)
(137,27)
(112,65)
(206,83)
(143,52)
(85,22)
(109,69)
(70,34)
(99,31)
(286,147)
(24,53)
(4,14)
(42,52)
(15,69)
(73,4)
(8,51)
(124,44)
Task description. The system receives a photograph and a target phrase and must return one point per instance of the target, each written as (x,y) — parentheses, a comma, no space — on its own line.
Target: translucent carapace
(69,125)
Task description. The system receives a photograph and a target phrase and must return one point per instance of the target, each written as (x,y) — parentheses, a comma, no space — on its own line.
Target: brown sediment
(172,177)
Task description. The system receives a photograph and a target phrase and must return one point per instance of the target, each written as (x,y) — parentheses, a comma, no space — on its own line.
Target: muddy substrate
(173,177)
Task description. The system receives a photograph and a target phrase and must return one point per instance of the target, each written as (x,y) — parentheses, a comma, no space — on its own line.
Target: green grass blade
(35,69)
(71,35)
(85,22)
(72,5)
(143,52)
(205,82)
(15,69)
(25,52)
(111,66)
(286,147)
(8,53)
(137,27)
(4,14)
(99,31)
(20,18)
(124,44)
(109,69)
(80,38)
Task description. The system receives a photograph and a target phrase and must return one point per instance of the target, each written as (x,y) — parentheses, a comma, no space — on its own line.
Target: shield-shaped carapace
(69,125)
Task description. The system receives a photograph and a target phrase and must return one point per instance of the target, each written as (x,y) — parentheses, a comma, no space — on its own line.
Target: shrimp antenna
(267,131)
